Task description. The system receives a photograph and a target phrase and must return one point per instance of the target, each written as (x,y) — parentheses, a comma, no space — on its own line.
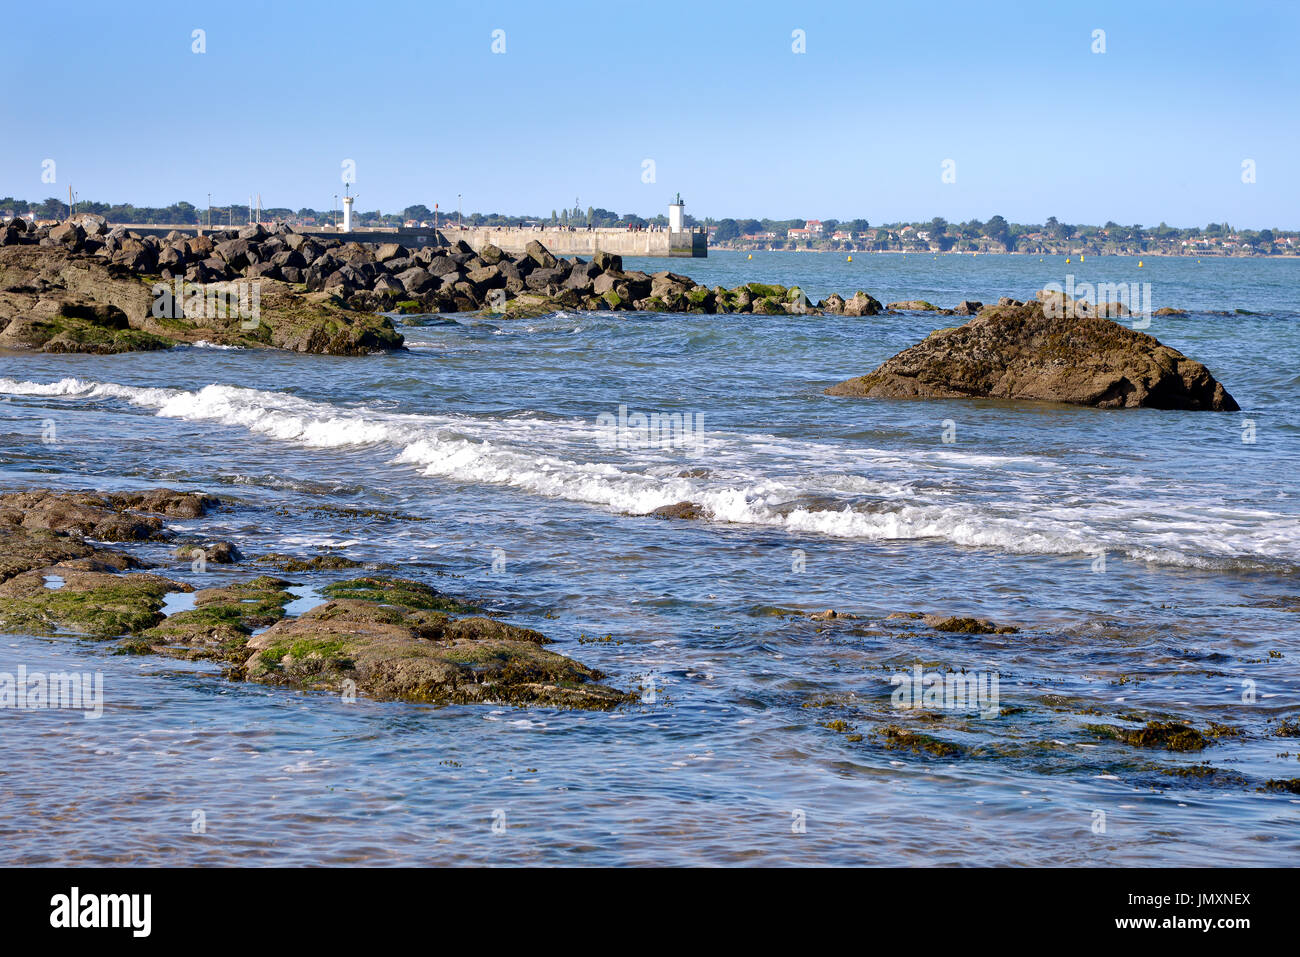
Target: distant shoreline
(917,252)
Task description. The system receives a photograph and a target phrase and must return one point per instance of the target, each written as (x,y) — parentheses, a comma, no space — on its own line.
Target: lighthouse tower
(675,214)
(347,213)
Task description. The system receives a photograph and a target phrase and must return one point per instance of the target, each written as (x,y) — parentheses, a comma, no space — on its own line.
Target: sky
(621,105)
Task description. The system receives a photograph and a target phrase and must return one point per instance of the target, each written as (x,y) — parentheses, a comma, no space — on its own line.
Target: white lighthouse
(347,213)
(675,214)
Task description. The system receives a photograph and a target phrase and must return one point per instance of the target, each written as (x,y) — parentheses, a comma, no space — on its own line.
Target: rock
(488,277)
(387,251)
(200,247)
(395,638)
(581,276)
(416,280)
(607,262)
(967,626)
(234,252)
(912,305)
(540,255)
(968,307)
(219,553)
(490,254)
(834,304)
(220,624)
(681,510)
(1170,311)
(69,234)
(101,604)
(1020,352)
(863,304)
(291,563)
(544,277)
(86,514)
(92,223)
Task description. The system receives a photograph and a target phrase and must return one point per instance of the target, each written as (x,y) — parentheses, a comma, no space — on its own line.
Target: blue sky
(1156,128)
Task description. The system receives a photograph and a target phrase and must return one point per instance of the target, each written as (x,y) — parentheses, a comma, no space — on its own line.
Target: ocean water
(1149,559)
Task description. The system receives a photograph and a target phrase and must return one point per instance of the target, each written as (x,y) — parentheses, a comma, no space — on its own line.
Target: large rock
(53,300)
(69,234)
(540,255)
(1021,352)
(863,304)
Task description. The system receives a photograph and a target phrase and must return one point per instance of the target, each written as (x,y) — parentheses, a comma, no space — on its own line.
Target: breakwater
(512,239)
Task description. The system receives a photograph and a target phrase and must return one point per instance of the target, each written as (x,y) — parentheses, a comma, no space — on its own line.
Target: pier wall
(584,242)
(562,242)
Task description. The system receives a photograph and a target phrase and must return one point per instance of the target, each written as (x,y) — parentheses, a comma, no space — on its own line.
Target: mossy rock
(91,603)
(1170,735)
(894,738)
(768,306)
(397,591)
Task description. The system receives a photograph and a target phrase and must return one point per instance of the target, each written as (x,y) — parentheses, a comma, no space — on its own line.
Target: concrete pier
(584,242)
(688,243)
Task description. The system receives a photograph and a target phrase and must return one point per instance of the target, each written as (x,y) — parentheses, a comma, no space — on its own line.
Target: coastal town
(937,235)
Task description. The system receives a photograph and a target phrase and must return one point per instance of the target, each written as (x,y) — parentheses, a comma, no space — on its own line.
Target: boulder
(833,304)
(234,252)
(540,255)
(607,262)
(1026,353)
(487,277)
(93,223)
(69,234)
(863,304)
(968,307)
(416,280)
(389,251)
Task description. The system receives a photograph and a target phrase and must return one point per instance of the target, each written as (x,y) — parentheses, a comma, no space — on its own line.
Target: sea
(1147,559)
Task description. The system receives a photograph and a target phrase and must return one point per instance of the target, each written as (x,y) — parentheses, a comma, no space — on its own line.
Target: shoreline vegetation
(83,287)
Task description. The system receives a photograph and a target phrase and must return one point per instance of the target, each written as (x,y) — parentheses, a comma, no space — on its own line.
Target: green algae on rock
(1170,735)
(381,636)
(100,604)
(417,654)
(1026,352)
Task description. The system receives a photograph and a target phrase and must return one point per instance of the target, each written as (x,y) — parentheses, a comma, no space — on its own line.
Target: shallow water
(1149,558)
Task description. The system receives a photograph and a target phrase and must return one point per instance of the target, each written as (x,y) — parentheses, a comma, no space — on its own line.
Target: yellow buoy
(850,259)
(1139,264)
(1080,257)
(1067,260)
(750,256)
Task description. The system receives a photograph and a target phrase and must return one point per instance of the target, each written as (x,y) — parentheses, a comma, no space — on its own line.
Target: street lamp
(336,210)
(209,212)
(460,220)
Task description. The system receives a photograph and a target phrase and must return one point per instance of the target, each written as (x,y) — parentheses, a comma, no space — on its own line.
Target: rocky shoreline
(82,287)
(379,636)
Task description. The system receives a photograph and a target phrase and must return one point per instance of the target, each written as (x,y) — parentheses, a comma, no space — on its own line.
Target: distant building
(798,233)
(843,235)
(814,227)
